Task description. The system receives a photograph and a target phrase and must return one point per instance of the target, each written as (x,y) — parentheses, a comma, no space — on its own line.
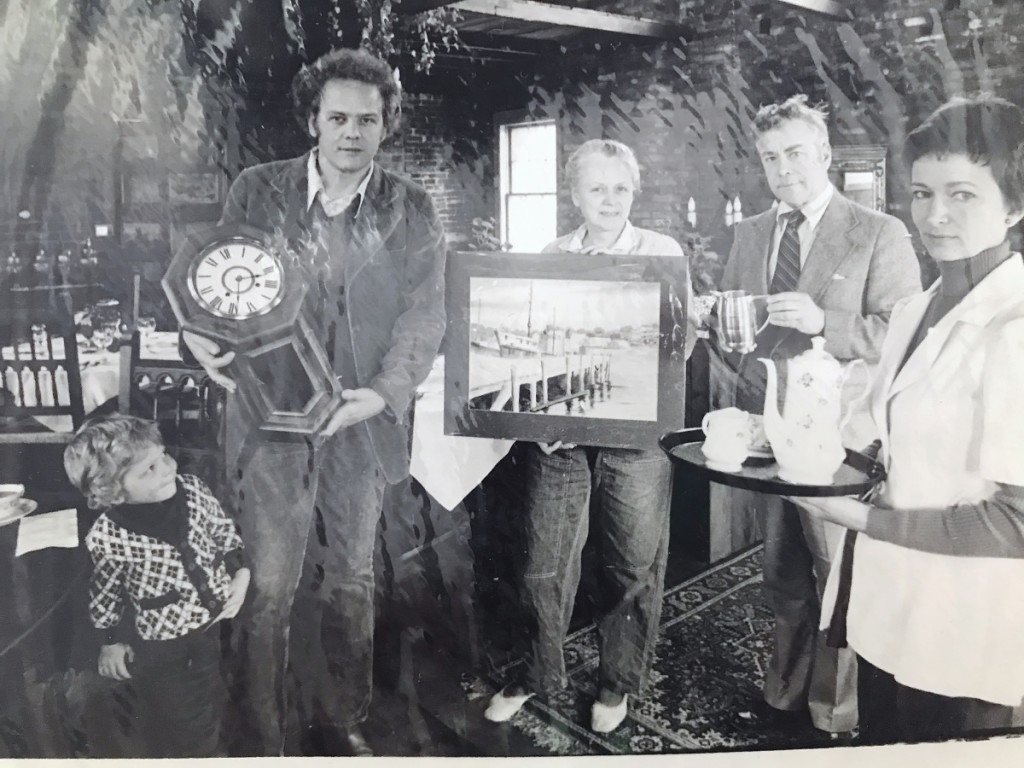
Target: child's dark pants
(180,694)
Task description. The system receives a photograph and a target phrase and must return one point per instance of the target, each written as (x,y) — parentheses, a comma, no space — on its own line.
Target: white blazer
(952,426)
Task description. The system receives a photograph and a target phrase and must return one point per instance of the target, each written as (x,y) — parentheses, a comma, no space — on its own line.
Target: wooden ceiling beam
(825,7)
(412,7)
(579,18)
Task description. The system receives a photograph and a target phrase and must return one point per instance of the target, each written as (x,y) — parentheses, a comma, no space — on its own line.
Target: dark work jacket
(393,277)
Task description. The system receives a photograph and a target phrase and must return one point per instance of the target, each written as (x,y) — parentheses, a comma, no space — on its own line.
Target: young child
(164,544)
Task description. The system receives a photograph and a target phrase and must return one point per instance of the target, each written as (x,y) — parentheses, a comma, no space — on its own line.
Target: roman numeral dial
(237,279)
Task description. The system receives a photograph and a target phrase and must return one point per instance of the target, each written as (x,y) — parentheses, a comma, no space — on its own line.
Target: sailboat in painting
(506,343)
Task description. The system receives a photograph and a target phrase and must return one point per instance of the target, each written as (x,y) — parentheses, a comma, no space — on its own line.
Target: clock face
(236,279)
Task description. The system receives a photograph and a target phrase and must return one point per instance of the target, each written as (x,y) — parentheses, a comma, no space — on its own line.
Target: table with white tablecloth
(448,467)
(101,369)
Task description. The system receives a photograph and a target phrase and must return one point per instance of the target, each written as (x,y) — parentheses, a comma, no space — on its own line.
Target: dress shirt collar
(624,243)
(316,187)
(812,211)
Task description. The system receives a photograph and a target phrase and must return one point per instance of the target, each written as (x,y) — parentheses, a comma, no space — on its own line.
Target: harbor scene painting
(564,347)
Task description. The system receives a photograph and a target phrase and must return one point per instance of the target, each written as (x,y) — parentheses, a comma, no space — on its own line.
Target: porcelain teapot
(806,438)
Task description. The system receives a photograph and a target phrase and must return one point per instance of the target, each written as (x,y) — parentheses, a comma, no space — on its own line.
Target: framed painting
(195,188)
(858,171)
(579,348)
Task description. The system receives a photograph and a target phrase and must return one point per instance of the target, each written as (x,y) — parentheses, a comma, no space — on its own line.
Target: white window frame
(505,123)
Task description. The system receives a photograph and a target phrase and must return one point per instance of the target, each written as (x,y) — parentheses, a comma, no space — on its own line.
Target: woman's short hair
(102,450)
(986,129)
(346,64)
(771,116)
(604,148)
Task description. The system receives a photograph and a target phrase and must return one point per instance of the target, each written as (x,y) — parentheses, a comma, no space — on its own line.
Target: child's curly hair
(102,450)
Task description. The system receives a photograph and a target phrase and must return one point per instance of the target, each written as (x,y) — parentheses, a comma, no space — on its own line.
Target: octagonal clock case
(239,286)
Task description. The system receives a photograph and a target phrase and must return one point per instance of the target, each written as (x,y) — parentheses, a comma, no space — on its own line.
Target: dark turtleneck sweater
(989,528)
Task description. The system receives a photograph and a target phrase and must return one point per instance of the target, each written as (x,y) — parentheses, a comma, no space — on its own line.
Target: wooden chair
(40,378)
(179,397)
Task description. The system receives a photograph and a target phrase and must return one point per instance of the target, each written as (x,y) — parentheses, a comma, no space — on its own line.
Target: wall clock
(241,287)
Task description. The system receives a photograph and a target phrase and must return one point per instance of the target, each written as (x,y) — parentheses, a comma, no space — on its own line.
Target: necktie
(787,264)
(752,374)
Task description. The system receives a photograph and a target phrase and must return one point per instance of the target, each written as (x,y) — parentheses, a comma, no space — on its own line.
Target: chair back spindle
(178,396)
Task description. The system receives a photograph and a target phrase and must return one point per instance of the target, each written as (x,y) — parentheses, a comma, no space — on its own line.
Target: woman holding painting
(621,495)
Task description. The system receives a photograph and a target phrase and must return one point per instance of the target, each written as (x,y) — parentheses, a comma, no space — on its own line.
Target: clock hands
(240,276)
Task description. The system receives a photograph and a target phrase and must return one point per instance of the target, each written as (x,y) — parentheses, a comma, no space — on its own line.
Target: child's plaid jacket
(174,591)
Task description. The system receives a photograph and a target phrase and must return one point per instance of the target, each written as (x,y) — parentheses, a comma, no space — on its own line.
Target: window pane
(532,221)
(532,158)
(535,140)
(531,176)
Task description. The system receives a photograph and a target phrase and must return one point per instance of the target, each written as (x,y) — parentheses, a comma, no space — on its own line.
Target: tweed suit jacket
(393,283)
(151,573)
(860,264)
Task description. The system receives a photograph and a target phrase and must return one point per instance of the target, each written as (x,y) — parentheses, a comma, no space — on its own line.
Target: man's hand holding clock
(207,354)
(360,404)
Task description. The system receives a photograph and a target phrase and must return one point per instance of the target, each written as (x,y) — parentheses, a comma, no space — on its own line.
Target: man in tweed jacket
(831,268)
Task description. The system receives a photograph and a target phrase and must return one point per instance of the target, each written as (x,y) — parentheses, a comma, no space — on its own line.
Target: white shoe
(503,707)
(605,719)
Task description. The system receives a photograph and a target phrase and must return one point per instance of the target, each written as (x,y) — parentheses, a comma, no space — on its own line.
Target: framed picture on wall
(858,171)
(195,188)
(579,348)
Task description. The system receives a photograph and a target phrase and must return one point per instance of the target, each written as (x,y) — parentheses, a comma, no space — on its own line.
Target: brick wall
(426,151)
(685,106)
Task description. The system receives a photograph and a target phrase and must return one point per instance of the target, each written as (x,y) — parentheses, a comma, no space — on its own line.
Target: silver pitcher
(737,321)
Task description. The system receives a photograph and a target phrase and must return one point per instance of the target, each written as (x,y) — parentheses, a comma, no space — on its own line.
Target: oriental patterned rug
(712,653)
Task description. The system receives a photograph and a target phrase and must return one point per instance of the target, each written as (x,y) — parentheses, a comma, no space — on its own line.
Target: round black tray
(858,473)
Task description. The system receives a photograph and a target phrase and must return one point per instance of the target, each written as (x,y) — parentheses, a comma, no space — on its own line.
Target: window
(528,178)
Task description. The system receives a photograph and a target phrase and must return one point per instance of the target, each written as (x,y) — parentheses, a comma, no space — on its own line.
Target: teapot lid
(817,354)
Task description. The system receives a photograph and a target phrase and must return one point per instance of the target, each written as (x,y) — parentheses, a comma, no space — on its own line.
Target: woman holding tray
(630,490)
(932,600)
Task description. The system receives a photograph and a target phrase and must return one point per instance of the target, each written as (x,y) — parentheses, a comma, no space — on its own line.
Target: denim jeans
(630,519)
(180,693)
(307,510)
